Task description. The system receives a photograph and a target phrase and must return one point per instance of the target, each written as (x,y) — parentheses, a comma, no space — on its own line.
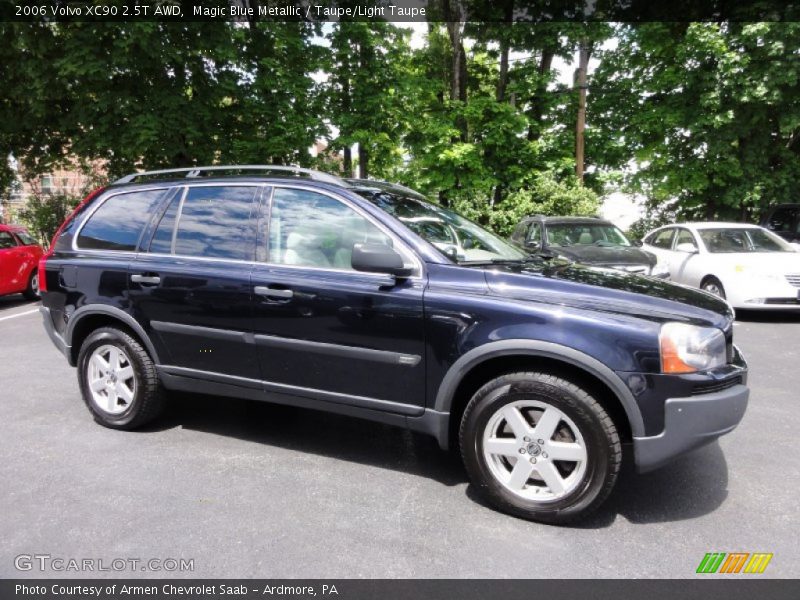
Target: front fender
(523,347)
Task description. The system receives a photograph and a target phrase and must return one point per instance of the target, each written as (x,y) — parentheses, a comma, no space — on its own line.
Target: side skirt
(415,418)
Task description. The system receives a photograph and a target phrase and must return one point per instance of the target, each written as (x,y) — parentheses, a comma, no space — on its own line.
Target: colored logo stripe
(711,562)
(714,562)
(734,562)
(758,562)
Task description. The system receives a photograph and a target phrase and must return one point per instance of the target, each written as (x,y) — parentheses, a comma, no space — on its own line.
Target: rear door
(324,330)
(189,286)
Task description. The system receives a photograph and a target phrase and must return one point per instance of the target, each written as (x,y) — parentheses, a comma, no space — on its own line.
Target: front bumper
(689,423)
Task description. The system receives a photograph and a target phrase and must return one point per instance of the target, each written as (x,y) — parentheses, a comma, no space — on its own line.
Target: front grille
(794,279)
(788,301)
(715,386)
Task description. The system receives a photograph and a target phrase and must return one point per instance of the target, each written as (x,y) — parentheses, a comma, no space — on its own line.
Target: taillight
(43,272)
(43,260)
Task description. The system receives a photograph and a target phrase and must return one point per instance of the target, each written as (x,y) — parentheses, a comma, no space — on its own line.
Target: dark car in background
(587,240)
(292,286)
(783,220)
(19,259)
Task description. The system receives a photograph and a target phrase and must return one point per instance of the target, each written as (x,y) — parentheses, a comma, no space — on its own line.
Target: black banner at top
(528,11)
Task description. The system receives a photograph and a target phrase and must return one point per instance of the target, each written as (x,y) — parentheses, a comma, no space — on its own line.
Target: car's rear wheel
(118,380)
(712,285)
(32,291)
(540,447)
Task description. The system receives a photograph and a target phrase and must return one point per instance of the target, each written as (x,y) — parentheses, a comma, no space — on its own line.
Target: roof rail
(190,172)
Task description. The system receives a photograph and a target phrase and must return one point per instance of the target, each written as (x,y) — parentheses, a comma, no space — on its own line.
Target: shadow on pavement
(13,301)
(768,316)
(310,431)
(692,486)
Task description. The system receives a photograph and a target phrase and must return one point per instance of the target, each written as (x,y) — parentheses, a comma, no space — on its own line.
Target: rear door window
(119,220)
(209,222)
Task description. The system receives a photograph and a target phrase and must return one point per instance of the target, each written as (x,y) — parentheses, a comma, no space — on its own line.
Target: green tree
(710,113)
(366,93)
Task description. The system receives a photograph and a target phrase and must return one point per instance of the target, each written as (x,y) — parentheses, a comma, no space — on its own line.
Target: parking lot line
(22,314)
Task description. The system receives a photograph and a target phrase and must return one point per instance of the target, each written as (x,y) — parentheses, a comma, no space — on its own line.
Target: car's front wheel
(118,380)
(540,447)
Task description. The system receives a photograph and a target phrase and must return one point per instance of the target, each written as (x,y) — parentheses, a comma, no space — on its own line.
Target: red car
(19,261)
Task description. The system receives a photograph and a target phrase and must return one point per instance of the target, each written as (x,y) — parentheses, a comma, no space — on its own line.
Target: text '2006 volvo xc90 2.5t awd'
(293,286)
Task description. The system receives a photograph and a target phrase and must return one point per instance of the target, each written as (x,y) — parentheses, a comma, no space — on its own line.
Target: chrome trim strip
(418,264)
(293,390)
(355,352)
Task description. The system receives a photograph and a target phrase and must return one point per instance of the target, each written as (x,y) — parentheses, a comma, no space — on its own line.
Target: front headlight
(659,270)
(688,348)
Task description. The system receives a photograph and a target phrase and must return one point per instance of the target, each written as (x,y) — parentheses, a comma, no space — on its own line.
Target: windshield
(585,234)
(752,239)
(454,236)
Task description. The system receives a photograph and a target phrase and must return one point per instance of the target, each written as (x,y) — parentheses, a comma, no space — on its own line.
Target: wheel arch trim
(535,348)
(110,311)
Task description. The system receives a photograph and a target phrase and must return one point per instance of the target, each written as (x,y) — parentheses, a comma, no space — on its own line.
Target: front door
(324,330)
(190,283)
(9,264)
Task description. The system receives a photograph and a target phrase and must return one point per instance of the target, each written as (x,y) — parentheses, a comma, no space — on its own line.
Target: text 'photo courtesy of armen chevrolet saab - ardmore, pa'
(345,298)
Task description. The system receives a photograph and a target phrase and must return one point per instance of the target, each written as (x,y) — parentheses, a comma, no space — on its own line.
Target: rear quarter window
(118,221)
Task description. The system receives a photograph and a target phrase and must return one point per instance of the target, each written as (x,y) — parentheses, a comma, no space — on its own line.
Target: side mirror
(687,248)
(379,258)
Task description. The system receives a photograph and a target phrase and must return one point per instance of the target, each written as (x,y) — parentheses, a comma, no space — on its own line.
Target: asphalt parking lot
(255,490)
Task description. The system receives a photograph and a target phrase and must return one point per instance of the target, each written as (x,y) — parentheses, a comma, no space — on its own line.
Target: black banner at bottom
(400,589)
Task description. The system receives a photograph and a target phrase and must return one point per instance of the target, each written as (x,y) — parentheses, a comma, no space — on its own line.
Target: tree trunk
(580,126)
(348,161)
(363,161)
(455,17)
(536,111)
(505,44)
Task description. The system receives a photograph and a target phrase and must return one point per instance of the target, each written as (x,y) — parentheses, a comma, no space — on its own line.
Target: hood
(595,289)
(605,255)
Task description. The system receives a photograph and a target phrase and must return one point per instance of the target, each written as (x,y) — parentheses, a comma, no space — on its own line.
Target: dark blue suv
(288,285)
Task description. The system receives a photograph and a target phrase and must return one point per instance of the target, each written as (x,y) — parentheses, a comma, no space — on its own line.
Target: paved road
(254,490)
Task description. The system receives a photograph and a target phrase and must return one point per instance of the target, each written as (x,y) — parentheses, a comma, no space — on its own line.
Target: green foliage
(544,195)
(709,111)
(44,213)
(702,116)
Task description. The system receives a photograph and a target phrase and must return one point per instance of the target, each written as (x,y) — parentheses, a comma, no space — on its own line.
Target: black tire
(600,437)
(712,285)
(32,291)
(148,398)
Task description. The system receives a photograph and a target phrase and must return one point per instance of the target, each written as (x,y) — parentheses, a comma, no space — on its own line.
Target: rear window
(119,221)
(25,238)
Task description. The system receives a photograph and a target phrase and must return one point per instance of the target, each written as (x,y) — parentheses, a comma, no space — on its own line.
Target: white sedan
(747,265)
